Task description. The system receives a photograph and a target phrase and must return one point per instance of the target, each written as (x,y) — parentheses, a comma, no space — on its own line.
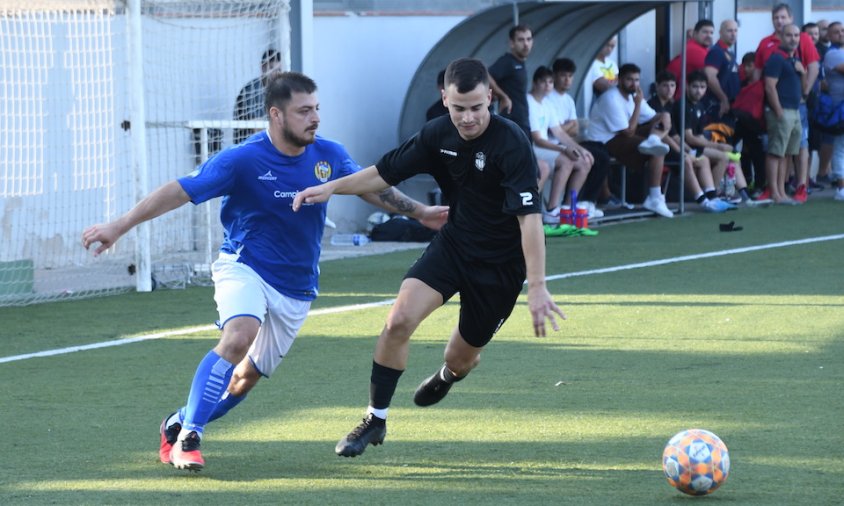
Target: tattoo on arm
(401,202)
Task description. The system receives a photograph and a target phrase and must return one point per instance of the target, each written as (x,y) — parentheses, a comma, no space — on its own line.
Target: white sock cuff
(380,413)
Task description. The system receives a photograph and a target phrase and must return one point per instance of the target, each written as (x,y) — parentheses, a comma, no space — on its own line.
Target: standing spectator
(510,79)
(602,74)
(721,68)
(696,49)
(633,132)
(566,112)
(569,163)
(833,64)
(437,108)
(822,45)
(783,72)
(250,101)
(806,52)
(818,141)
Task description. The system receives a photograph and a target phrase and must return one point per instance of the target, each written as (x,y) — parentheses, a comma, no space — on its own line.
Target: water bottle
(566,216)
(349,239)
(730,180)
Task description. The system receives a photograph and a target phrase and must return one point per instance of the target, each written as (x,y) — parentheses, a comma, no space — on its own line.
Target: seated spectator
(437,108)
(566,112)
(716,152)
(569,163)
(633,132)
(696,48)
(698,174)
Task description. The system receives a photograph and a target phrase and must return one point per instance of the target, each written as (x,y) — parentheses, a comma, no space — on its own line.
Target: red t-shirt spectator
(806,50)
(695,60)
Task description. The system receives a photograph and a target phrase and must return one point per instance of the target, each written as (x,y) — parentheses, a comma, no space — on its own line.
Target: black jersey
(511,75)
(488,182)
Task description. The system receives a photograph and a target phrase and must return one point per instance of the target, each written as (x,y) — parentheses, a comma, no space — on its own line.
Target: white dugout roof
(575,30)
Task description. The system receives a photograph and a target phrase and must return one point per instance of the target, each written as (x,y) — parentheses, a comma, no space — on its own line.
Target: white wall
(363,67)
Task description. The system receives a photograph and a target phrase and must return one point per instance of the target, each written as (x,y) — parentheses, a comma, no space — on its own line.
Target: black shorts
(488,292)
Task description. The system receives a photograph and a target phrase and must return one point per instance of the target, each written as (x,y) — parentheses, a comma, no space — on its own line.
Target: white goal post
(102,101)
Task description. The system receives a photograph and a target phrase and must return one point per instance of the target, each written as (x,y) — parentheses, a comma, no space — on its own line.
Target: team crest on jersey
(322,171)
(480,161)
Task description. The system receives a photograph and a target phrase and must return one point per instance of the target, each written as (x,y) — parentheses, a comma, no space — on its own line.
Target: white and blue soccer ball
(696,462)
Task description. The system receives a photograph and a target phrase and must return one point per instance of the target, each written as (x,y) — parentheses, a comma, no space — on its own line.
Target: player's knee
(400,324)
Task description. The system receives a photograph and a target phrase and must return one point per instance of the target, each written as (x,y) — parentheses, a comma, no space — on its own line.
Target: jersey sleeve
(409,159)
(214,178)
(346,165)
(500,69)
(714,58)
(521,195)
(773,67)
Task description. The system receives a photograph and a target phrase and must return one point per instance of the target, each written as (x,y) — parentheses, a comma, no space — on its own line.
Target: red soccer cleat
(186,454)
(168,439)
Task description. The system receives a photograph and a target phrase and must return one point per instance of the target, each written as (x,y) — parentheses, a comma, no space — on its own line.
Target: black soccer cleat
(371,431)
(432,390)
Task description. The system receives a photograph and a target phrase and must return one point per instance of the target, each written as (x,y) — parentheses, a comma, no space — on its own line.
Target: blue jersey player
(266,275)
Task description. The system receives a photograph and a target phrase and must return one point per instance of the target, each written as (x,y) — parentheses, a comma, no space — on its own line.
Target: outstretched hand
(434,217)
(104,233)
(542,306)
(311,195)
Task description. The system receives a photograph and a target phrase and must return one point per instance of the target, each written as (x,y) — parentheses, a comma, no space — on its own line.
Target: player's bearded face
(468,111)
(300,119)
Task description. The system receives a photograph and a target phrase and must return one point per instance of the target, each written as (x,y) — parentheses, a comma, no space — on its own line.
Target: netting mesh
(66,159)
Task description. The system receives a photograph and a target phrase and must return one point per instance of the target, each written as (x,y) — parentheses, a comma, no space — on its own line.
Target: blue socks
(209,384)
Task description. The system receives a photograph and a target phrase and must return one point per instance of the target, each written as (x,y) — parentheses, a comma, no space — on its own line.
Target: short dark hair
(281,86)
(665,76)
(780,7)
(516,29)
(269,55)
(834,23)
(749,57)
(628,68)
(563,65)
(542,72)
(704,23)
(441,78)
(696,77)
(807,26)
(466,74)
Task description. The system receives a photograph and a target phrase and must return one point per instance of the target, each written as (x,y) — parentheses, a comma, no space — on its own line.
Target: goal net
(102,101)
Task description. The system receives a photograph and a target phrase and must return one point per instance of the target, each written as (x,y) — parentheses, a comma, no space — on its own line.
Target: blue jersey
(258,183)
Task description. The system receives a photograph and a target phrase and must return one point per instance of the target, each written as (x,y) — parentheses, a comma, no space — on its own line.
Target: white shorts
(549,155)
(240,291)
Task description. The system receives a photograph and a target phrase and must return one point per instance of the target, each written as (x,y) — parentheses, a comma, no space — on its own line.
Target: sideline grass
(749,347)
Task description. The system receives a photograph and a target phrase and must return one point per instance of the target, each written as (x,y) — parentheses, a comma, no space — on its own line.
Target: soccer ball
(376,218)
(696,462)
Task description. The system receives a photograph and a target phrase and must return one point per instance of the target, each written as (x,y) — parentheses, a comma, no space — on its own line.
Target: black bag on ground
(401,229)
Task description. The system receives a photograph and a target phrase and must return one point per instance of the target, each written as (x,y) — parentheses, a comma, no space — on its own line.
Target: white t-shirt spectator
(563,105)
(607,69)
(611,114)
(542,116)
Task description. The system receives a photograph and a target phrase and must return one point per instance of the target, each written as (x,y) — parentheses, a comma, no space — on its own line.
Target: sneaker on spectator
(765,195)
(591,210)
(551,217)
(825,179)
(815,185)
(756,203)
(839,194)
(657,205)
(714,206)
(800,194)
(652,146)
